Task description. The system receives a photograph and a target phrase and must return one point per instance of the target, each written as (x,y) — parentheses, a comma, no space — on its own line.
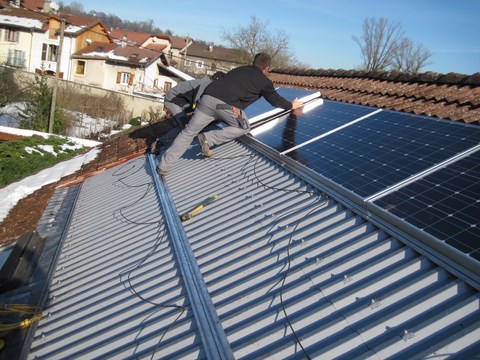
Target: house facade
(119,67)
(30,40)
(206,59)
(20,33)
(80,49)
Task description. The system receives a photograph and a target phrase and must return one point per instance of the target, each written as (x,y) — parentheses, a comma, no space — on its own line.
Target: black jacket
(244,85)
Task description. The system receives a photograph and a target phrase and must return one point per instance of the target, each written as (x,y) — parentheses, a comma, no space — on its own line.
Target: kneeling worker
(179,102)
(225,99)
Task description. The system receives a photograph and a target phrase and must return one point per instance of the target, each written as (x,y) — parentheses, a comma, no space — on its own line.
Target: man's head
(263,61)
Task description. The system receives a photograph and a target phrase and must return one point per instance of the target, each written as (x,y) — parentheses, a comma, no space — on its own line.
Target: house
(288,261)
(179,46)
(119,67)
(31,40)
(206,59)
(21,32)
(159,43)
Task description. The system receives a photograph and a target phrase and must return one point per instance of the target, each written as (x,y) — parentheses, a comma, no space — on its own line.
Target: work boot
(161,173)
(156,147)
(204,145)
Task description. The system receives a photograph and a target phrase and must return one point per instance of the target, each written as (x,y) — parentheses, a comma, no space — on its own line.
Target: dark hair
(217,75)
(262,60)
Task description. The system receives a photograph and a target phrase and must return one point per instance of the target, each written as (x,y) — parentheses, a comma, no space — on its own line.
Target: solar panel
(383,149)
(445,204)
(404,163)
(289,131)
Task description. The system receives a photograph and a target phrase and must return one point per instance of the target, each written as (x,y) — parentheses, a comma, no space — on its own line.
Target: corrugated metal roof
(116,291)
(292,270)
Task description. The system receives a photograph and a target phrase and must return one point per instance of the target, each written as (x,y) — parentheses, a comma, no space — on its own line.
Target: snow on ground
(11,194)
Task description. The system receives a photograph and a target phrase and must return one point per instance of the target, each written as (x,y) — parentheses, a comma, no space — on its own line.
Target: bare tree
(410,58)
(384,47)
(255,37)
(378,42)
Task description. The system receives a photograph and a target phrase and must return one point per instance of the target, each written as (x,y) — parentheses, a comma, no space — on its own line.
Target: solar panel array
(423,170)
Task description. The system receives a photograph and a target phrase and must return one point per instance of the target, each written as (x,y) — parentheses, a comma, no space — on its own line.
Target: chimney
(50,7)
(124,42)
(210,48)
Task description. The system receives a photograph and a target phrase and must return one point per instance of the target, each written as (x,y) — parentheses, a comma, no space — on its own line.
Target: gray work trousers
(204,114)
(178,121)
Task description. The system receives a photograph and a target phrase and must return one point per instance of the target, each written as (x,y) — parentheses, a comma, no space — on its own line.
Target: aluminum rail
(212,334)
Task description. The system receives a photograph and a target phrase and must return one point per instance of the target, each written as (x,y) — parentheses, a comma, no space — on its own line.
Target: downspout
(70,60)
(30,52)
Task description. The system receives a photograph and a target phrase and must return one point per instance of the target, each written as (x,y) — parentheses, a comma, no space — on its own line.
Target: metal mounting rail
(212,334)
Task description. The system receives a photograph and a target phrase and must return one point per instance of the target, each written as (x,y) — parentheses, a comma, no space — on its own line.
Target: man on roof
(180,101)
(226,99)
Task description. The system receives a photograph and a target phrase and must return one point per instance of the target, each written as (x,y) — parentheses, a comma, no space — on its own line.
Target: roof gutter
(213,336)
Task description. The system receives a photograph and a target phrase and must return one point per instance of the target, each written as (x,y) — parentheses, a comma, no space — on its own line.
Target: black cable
(129,272)
(289,259)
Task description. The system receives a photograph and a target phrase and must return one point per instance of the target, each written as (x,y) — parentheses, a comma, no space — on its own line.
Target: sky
(320,31)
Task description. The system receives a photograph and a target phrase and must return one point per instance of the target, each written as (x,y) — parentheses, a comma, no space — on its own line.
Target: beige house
(205,59)
(119,67)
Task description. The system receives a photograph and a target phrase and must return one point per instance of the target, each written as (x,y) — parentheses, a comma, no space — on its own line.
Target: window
(167,86)
(187,63)
(11,35)
(199,64)
(124,78)
(49,52)
(80,68)
(16,58)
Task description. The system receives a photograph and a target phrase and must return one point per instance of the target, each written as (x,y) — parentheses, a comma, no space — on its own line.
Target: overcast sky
(320,31)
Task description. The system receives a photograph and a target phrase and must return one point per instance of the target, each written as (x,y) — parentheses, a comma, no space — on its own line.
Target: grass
(25,157)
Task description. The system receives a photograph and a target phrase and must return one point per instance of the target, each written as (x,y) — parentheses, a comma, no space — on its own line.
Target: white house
(119,67)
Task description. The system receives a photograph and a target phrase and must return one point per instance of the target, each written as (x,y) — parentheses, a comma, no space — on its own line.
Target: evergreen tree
(35,114)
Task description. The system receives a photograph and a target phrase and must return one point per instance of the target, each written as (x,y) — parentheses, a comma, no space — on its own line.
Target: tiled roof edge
(427,77)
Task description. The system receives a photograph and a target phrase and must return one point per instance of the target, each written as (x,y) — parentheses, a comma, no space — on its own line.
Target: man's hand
(298,111)
(296,104)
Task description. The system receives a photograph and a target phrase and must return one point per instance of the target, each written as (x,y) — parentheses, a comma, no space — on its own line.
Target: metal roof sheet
(292,270)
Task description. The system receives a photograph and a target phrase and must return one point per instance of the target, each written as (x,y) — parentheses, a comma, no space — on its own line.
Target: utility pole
(55,85)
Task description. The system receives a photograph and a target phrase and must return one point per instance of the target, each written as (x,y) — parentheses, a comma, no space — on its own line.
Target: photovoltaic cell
(289,131)
(445,204)
(386,148)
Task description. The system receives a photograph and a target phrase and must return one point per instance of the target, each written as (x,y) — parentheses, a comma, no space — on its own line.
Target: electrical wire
(127,283)
(289,258)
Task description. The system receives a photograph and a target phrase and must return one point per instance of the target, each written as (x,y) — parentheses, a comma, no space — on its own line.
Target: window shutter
(119,77)
(130,81)
(44,52)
